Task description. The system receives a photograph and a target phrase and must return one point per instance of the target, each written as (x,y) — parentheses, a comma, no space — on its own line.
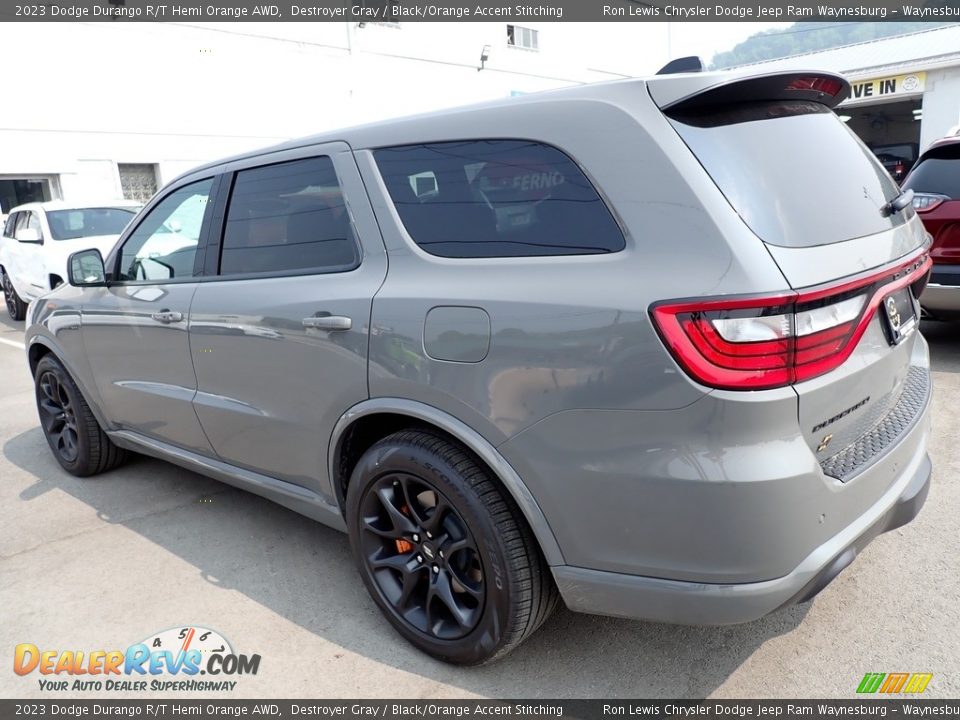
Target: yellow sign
(908,84)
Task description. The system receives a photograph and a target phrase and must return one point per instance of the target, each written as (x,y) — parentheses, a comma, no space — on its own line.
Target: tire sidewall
(6,285)
(484,640)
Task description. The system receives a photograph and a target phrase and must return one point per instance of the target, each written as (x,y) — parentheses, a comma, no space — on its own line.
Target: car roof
(64,205)
(943,142)
(457,123)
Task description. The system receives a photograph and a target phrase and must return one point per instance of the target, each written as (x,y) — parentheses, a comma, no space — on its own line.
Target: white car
(38,238)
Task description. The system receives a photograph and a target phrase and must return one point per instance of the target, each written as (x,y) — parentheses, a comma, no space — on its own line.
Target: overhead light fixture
(484,56)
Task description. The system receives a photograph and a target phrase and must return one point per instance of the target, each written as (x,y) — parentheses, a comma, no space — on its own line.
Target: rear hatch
(847,242)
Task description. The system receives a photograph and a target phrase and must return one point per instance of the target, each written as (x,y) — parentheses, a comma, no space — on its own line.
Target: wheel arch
(371,420)
(38,347)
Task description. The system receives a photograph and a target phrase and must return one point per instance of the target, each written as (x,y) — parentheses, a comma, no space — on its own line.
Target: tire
(15,306)
(443,551)
(72,432)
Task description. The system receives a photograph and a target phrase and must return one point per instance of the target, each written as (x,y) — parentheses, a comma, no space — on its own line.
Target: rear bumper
(691,603)
(942,293)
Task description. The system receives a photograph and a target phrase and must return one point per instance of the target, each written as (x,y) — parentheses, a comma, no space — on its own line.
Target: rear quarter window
(496,198)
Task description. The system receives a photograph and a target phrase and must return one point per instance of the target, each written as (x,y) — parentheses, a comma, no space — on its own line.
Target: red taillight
(827,85)
(762,343)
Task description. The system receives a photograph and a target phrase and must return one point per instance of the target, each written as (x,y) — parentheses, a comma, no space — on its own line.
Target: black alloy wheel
(444,550)
(57,417)
(78,442)
(422,556)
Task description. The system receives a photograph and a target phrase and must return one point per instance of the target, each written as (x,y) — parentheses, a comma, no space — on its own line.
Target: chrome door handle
(167,317)
(328,322)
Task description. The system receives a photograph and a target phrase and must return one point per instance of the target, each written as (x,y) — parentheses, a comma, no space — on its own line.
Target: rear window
(793,171)
(496,198)
(88,222)
(937,172)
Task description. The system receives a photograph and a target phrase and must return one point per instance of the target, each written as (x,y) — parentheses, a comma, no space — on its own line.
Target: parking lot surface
(105,562)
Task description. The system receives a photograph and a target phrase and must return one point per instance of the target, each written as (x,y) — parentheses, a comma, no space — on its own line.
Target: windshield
(87,222)
(793,171)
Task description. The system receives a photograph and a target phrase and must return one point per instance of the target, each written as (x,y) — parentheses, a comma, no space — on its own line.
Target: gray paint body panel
(271,389)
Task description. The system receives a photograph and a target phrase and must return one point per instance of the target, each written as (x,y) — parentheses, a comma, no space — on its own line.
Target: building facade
(905,90)
(114,109)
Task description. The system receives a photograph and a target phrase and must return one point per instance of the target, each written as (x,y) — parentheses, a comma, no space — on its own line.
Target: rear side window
(288,218)
(496,198)
(792,170)
(938,172)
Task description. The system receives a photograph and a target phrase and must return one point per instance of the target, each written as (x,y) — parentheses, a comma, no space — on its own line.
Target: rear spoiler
(699,93)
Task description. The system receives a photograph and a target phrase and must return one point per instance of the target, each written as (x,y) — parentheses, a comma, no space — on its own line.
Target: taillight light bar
(757,343)
(829,85)
(925,202)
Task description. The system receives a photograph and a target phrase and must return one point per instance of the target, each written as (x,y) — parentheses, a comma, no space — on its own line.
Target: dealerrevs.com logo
(171,660)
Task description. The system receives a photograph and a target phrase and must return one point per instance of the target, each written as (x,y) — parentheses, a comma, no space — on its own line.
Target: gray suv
(648,347)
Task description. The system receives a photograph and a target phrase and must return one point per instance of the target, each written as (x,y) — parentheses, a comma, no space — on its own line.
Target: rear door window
(288,218)
(938,172)
(792,170)
(496,198)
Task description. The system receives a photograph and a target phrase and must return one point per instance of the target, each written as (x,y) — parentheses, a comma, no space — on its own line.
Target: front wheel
(443,551)
(73,433)
(15,306)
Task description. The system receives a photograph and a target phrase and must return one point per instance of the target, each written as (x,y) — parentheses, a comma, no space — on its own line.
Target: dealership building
(118,109)
(905,90)
(139,103)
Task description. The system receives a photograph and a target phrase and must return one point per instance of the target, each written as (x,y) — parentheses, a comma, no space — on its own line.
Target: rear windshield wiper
(901,201)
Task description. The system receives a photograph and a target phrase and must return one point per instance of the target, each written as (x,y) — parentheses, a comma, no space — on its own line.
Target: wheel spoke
(410,582)
(370,525)
(49,385)
(410,500)
(400,563)
(62,395)
(466,585)
(401,523)
(435,522)
(51,417)
(457,546)
(444,592)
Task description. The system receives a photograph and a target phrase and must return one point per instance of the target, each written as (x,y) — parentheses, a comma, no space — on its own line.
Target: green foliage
(803,37)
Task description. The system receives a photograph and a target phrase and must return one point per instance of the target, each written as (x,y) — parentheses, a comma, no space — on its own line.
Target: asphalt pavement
(105,562)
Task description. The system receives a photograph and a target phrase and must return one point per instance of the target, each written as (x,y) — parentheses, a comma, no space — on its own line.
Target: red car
(935,181)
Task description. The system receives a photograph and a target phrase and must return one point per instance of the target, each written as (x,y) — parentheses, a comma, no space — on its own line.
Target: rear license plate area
(898,313)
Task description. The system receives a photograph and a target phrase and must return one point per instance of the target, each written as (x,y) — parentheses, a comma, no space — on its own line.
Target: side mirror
(30,235)
(85,269)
